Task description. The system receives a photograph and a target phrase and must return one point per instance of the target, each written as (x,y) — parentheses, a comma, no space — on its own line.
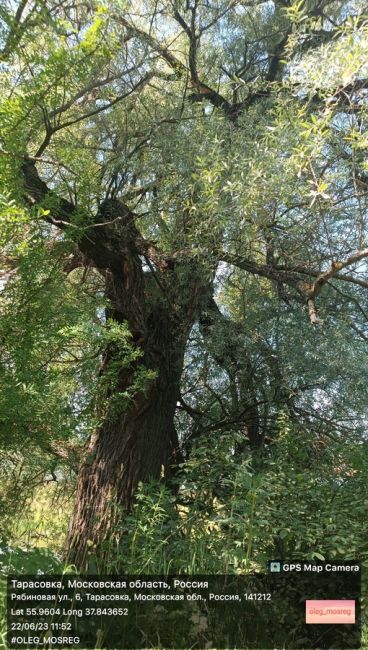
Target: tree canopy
(184,290)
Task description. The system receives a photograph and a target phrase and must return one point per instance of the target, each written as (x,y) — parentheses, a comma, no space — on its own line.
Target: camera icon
(275,567)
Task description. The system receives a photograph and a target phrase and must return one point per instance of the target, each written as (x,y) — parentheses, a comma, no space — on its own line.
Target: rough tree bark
(160,307)
(139,443)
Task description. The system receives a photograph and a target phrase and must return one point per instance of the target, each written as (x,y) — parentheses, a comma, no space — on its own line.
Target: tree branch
(51,130)
(17,29)
(291,275)
(203,91)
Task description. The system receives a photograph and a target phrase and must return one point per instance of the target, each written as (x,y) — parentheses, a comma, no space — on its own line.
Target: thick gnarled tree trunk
(136,445)
(159,306)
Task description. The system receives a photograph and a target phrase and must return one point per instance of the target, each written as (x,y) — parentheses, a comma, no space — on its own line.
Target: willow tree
(178,147)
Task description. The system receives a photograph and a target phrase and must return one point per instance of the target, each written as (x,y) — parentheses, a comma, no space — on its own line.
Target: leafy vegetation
(183,284)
